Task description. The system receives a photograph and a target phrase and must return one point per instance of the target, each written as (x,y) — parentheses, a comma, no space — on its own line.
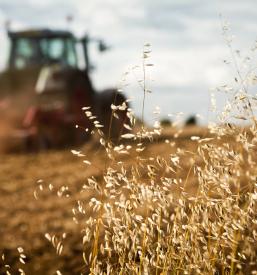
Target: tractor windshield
(28,52)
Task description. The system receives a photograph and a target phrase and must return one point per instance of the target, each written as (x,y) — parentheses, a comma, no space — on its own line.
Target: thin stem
(144,88)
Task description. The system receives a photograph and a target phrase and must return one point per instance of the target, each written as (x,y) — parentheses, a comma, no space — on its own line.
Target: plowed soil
(30,209)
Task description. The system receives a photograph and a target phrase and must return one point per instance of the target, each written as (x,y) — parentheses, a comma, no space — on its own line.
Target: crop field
(25,219)
(183,202)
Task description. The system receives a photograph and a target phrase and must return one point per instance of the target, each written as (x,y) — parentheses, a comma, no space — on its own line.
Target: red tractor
(43,90)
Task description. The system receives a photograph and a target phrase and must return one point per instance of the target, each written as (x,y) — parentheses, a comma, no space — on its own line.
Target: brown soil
(24,219)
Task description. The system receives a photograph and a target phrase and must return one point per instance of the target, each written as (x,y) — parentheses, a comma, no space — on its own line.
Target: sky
(188,48)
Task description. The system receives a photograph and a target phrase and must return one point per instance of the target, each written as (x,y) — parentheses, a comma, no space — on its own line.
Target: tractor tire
(113,124)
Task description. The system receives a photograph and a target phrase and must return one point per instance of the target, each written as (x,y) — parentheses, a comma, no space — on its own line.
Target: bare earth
(28,213)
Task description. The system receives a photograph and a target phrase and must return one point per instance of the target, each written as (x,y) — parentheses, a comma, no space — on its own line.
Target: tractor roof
(40,33)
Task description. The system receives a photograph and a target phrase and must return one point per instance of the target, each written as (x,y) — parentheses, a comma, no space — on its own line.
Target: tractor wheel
(113,122)
(37,143)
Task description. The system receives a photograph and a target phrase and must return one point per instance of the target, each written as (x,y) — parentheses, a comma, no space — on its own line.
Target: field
(45,214)
(25,220)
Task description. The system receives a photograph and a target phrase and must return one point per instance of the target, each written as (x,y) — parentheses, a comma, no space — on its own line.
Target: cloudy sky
(188,48)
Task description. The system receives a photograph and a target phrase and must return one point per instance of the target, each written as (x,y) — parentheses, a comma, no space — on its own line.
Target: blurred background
(188,50)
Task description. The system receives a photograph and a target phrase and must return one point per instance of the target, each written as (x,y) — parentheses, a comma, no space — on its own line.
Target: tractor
(44,88)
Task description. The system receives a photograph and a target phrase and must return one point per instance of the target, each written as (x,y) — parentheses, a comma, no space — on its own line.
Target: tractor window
(53,50)
(71,53)
(25,53)
(28,52)
(58,50)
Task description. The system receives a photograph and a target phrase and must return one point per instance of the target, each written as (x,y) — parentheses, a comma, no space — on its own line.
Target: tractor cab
(37,48)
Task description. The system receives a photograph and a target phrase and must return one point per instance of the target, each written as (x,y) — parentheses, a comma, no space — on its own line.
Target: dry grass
(190,208)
